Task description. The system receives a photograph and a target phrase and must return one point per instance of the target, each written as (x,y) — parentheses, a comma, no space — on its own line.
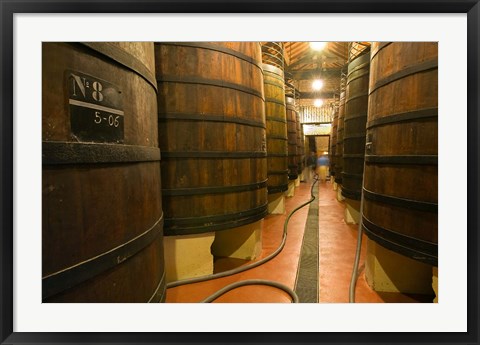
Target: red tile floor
(337,243)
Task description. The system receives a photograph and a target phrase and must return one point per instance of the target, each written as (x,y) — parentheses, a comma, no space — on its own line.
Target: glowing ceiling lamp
(318,103)
(317,84)
(318,45)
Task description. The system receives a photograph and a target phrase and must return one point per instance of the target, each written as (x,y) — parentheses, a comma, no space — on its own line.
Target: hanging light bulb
(317,84)
(318,45)
(318,103)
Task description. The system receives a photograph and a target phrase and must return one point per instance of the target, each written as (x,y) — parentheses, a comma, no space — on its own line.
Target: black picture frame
(10,7)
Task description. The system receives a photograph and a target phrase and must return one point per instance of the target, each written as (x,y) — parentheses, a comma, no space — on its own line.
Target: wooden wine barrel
(292,139)
(333,149)
(340,130)
(276,119)
(102,220)
(401,172)
(211,115)
(356,106)
(300,146)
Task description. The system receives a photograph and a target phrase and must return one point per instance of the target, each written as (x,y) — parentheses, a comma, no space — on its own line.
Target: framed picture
(25,318)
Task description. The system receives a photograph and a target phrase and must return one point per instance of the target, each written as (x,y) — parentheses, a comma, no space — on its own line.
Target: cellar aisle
(282,268)
(337,243)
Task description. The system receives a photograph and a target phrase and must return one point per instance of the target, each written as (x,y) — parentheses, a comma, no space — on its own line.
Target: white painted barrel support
(244,242)
(339,193)
(303,175)
(387,271)
(188,256)
(352,211)
(276,203)
(297,182)
(291,189)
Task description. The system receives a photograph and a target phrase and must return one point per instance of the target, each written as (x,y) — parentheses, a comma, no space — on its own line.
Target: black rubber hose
(353,280)
(230,287)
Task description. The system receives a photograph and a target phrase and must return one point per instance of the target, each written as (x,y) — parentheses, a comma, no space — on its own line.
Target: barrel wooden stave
(389,217)
(89,203)
(142,51)
(103,290)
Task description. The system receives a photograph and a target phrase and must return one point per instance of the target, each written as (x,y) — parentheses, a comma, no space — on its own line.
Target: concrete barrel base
(244,242)
(188,256)
(387,271)
(339,193)
(303,175)
(297,182)
(352,211)
(291,189)
(276,203)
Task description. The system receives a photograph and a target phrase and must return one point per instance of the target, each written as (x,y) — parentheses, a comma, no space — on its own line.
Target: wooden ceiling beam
(295,47)
(308,60)
(292,53)
(314,95)
(340,49)
(310,73)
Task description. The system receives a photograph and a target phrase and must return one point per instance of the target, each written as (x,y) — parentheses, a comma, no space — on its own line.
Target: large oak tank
(276,120)
(211,116)
(300,146)
(401,172)
(340,131)
(292,118)
(356,106)
(333,146)
(102,220)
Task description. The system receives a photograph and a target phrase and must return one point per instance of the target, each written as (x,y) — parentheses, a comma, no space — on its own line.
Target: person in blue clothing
(322,164)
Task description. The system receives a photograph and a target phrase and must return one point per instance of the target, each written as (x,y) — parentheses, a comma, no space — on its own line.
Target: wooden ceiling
(303,65)
(299,55)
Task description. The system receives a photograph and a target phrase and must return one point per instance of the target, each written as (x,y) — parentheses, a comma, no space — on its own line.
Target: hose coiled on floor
(250,266)
(252,282)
